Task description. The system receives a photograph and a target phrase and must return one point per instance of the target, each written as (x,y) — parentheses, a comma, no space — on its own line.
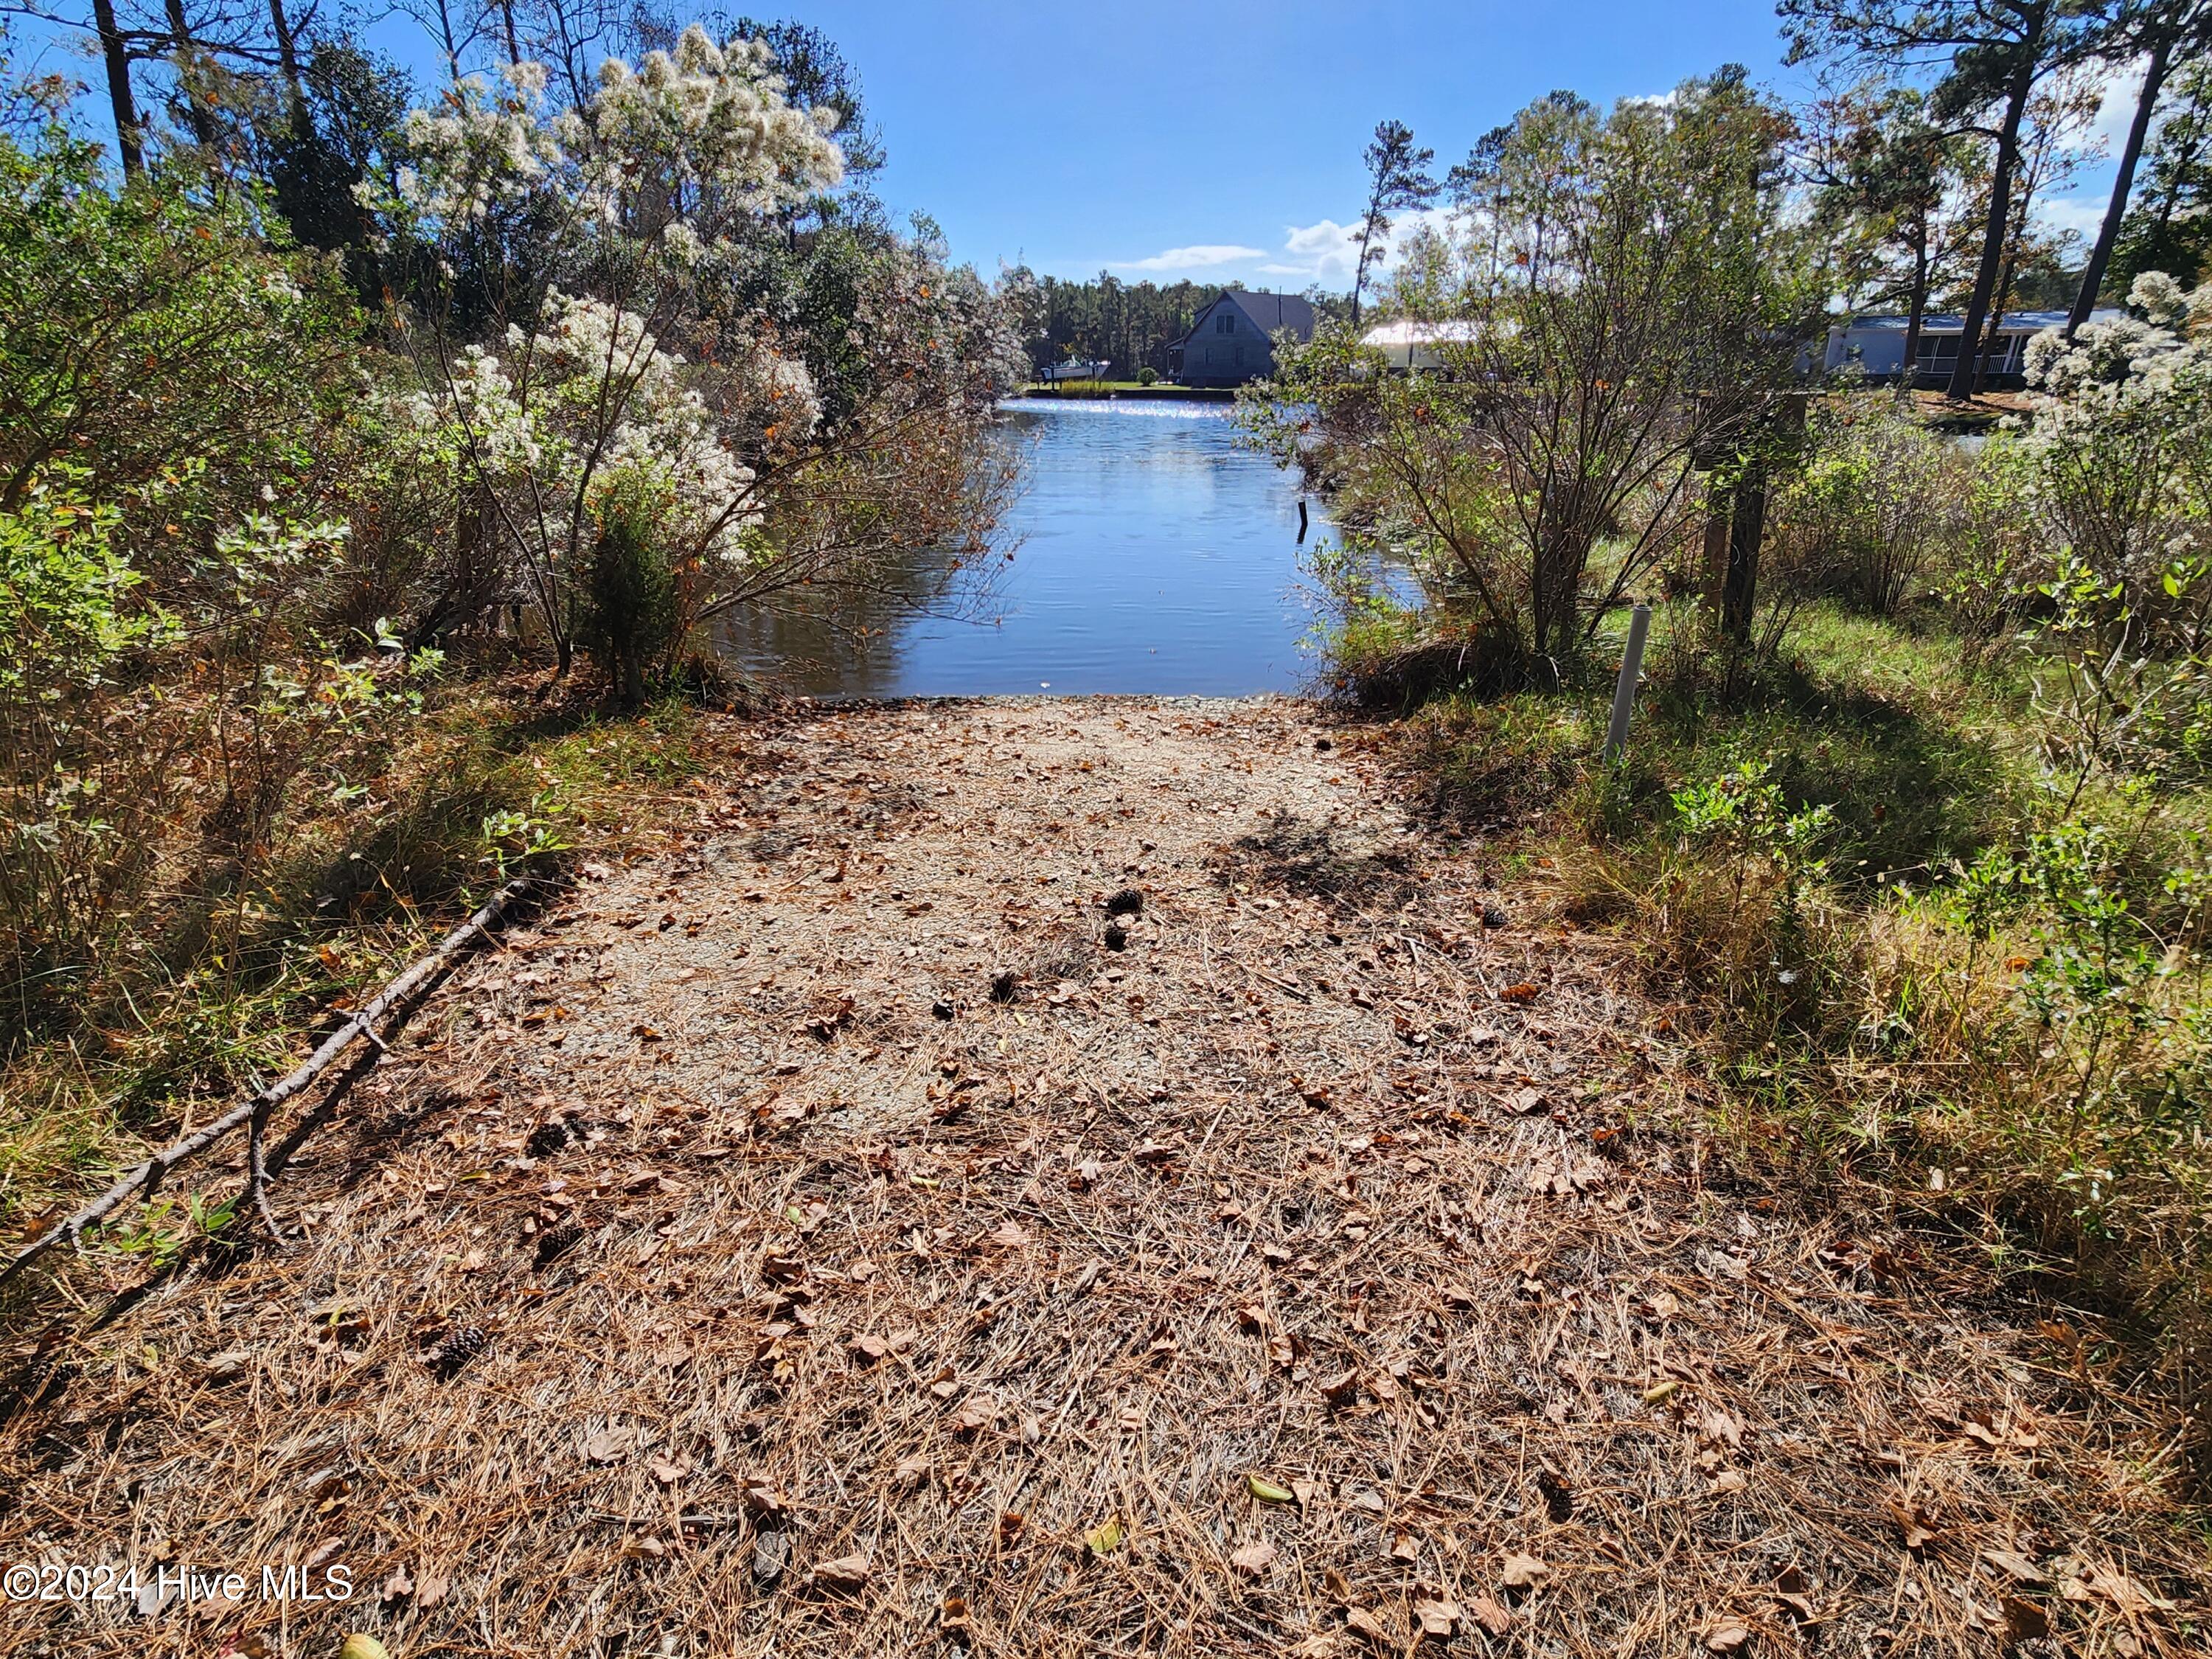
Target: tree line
(1127,325)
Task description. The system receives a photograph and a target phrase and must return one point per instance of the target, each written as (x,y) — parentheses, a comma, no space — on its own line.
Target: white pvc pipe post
(1631,668)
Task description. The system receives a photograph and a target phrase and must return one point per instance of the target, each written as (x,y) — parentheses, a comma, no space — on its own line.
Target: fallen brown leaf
(1368,1626)
(1524,1572)
(1790,1588)
(912,1471)
(609,1445)
(2022,1620)
(846,1574)
(1492,1616)
(1252,1559)
(2014,1566)
(1437,1618)
(1918,1529)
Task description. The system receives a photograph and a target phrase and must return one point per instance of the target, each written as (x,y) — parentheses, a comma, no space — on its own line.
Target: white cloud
(2115,109)
(1323,251)
(2082,214)
(1193,259)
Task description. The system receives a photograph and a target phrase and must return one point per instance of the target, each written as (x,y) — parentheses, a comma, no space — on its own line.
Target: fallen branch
(143,1179)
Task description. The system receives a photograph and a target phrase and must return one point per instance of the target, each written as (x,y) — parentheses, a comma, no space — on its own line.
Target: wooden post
(1719,512)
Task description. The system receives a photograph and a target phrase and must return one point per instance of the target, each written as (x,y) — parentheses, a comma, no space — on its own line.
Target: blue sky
(1220,139)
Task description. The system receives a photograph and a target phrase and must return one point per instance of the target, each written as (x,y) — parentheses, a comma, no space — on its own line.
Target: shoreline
(1111,393)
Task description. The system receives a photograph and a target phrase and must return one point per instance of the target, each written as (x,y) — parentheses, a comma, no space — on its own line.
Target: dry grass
(870,1318)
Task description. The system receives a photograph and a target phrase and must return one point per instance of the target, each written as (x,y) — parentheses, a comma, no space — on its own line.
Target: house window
(1225,323)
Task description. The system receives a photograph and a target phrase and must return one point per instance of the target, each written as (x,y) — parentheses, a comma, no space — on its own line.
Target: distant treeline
(1129,325)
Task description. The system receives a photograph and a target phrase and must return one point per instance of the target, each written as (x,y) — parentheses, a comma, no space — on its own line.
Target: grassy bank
(1160,390)
(488,783)
(1917,961)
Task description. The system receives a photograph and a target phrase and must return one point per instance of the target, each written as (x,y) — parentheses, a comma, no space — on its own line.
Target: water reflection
(1152,555)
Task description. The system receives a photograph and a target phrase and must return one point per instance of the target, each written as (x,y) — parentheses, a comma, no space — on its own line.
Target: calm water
(1151,554)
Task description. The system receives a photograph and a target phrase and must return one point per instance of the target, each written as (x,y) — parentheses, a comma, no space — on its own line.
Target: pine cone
(557,1242)
(462,1345)
(49,1373)
(1126,902)
(1117,936)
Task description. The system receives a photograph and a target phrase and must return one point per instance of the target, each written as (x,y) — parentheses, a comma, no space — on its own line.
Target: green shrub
(631,619)
(1875,508)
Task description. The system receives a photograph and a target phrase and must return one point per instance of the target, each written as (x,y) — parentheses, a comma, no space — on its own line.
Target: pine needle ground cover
(814,1236)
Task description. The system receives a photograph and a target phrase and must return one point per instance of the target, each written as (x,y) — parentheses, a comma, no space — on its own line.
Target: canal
(1153,553)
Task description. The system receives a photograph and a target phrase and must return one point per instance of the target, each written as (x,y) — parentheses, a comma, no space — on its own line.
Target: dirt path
(721,1269)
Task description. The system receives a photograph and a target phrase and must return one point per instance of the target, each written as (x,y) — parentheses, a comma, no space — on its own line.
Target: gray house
(1232,341)
(1876,345)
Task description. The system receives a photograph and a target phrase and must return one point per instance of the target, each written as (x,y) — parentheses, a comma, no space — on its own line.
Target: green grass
(1106,388)
(1920,763)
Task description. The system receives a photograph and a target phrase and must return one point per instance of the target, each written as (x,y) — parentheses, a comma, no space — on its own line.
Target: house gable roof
(1268,313)
(1273,312)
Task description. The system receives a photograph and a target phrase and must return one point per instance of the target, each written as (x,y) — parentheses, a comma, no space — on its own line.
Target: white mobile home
(1408,346)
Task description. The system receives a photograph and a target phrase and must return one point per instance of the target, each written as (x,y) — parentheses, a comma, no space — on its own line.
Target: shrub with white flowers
(697,137)
(576,234)
(2120,445)
(2119,464)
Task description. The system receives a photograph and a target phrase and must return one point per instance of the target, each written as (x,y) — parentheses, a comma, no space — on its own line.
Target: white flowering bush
(693,138)
(480,150)
(553,420)
(2119,466)
(2120,450)
(569,244)
(700,134)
